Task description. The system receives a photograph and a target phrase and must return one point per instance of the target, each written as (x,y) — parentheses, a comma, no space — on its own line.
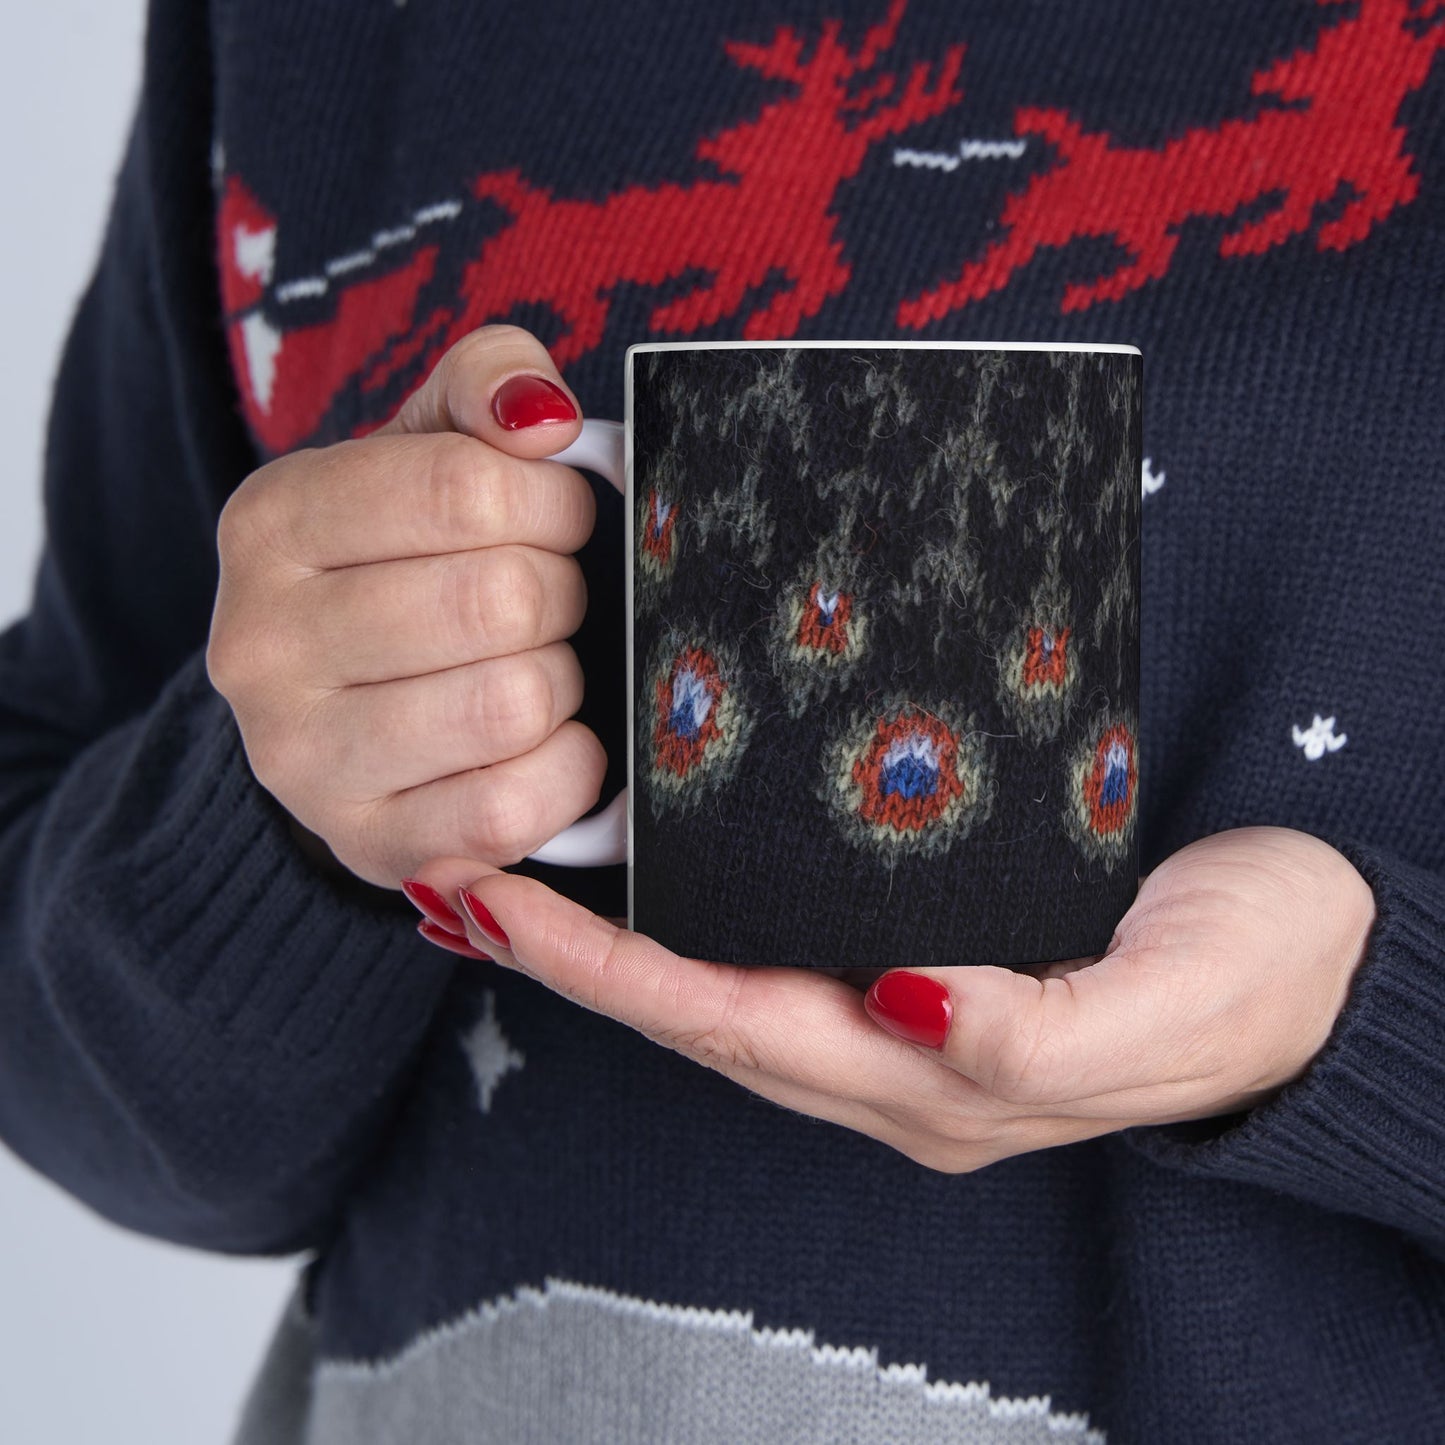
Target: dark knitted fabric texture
(885,651)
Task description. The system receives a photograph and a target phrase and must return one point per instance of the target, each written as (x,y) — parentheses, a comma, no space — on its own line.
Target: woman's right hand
(389,626)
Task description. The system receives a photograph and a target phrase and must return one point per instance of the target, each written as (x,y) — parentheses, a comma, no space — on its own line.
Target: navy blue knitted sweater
(527,1222)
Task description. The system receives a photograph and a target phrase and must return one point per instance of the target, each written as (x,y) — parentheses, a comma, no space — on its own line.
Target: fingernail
(523,401)
(481,915)
(449,941)
(913,1007)
(434,906)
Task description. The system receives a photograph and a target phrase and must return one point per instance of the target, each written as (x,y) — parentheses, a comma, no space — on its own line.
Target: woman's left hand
(1221,984)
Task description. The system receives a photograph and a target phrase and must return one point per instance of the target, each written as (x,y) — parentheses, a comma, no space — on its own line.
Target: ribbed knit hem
(1363,1130)
(214,907)
(240,1018)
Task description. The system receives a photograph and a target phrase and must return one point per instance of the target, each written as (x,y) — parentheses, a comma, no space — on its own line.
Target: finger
(389,737)
(405,496)
(425,614)
(445,939)
(498,814)
(1100,1029)
(791,1025)
(433,905)
(500,386)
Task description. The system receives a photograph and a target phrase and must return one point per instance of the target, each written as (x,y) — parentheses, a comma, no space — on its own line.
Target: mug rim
(1114,347)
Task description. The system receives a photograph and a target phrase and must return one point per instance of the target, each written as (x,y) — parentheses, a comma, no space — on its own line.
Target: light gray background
(104,1336)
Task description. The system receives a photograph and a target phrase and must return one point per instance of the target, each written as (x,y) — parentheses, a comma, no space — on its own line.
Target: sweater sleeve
(1362,1131)
(201,1036)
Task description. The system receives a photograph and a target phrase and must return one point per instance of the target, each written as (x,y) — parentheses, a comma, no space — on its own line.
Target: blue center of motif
(1116,775)
(909,769)
(1048,644)
(691,703)
(909,777)
(827,606)
(660,512)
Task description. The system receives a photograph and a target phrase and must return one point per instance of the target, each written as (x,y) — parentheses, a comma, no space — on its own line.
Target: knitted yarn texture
(887,638)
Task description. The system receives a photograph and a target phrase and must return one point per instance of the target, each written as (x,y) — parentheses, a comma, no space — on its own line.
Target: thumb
(499,385)
(1028,1040)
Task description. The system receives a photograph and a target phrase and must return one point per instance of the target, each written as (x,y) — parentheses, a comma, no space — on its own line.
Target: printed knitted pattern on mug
(700,723)
(1103,793)
(920,569)
(908,780)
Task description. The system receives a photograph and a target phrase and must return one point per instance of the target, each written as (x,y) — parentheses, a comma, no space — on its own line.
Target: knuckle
(1011,1076)
(594,988)
(223,665)
(510,600)
(451,370)
(517,712)
(504,821)
(473,490)
(1023,1064)
(244,656)
(568,688)
(239,527)
(569,509)
(232,526)
(720,1050)
(507,331)
(581,765)
(572,602)
(462,493)
(717,1043)
(591,770)
(255,518)
(498,336)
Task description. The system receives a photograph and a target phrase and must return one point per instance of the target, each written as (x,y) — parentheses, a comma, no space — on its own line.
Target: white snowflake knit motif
(1319,738)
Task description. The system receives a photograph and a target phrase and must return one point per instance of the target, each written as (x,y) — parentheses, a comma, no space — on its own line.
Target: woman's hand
(1221,984)
(389,627)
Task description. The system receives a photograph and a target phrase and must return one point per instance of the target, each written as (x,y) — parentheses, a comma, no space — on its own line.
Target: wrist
(1346,916)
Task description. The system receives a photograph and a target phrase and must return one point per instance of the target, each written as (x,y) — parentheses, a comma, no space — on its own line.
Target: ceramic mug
(883,650)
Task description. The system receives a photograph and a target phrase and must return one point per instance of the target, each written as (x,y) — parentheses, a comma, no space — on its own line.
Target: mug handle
(601,839)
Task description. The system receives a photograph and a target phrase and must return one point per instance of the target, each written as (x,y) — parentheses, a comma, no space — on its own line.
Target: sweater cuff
(209,903)
(1362,1131)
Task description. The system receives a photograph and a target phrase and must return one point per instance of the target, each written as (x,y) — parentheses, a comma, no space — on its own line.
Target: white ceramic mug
(882,649)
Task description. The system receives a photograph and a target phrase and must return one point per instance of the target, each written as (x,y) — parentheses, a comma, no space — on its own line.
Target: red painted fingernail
(481,915)
(523,401)
(450,941)
(913,1007)
(434,906)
